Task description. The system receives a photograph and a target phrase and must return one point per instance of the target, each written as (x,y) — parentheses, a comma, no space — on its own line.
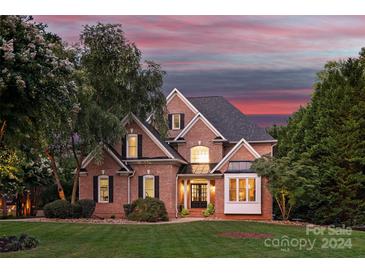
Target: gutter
(129,186)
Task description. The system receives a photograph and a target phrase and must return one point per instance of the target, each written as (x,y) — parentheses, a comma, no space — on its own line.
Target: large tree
(330,133)
(36,88)
(113,81)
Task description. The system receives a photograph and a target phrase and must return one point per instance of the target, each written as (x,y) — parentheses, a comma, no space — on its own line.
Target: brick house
(205,159)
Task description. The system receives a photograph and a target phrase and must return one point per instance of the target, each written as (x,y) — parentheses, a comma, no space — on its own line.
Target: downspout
(176,182)
(129,186)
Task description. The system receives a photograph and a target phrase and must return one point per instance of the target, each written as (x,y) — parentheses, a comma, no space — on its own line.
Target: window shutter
(124,147)
(182,120)
(169,119)
(139,145)
(111,188)
(157,187)
(140,186)
(95,188)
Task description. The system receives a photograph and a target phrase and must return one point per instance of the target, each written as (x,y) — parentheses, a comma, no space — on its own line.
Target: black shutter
(140,186)
(157,186)
(139,145)
(124,147)
(182,120)
(111,189)
(169,119)
(95,188)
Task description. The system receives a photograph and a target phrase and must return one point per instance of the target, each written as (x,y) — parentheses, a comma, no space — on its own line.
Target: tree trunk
(75,183)
(61,193)
(2,131)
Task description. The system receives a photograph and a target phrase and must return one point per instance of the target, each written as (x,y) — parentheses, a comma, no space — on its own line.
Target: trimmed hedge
(148,210)
(58,209)
(88,207)
(63,209)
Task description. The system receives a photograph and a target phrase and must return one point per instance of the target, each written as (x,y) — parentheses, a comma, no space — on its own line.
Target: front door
(198,195)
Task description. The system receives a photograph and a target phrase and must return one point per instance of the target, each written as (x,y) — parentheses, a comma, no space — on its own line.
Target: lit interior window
(175,121)
(232,190)
(103,189)
(199,154)
(242,190)
(251,184)
(132,146)
(149,187)
(246,188)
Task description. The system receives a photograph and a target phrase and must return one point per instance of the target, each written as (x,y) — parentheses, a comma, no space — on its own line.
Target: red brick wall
(120,187)
(241,155)
(149,148)
(176,105)
(167,174)
(201,132)
(262,148)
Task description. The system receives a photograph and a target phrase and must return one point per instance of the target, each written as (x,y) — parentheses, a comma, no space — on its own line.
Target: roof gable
(236,148)
(176,92)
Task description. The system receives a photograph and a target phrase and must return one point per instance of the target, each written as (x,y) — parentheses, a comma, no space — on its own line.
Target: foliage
(88,207)
(209,211)
(184,212)
(76,211)
(148,210)
(58,209)
(127,209)
(13,243)
(329,133)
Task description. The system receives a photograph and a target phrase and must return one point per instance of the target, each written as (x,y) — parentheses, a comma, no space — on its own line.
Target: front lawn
(196,239)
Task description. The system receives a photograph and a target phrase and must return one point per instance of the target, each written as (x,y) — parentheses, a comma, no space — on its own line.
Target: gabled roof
(226,158)
(196,118)
(176,92)
(228,120)
(112,153)
(156,138)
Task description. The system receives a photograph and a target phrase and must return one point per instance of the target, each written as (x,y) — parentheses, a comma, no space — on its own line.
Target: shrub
(76,210)
(184,212)
(112,217)
(127,209)
(148,210)
(13,243)
(88,207)
(58,209)
(209,211)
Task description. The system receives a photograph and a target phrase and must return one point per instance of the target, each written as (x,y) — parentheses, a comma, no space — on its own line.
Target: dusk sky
(262,64)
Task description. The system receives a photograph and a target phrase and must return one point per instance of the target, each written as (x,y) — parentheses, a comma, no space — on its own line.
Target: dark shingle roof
(228,120)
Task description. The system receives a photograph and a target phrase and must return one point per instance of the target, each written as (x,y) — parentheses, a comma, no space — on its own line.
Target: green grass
(197,239)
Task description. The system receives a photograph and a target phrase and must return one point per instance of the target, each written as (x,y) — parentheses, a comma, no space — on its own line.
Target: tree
(113,82)
(329,133)
(36,89)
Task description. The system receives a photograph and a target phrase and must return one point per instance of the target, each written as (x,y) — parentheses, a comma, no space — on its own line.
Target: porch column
(208,193)
(185,193)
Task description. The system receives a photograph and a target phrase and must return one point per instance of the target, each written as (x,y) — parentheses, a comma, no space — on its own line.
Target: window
(199,154)
(149,186)
(242,189)
(132,141)
(175,121)
(103,189)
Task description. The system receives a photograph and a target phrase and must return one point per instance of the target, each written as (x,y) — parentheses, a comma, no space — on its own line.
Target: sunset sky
(262,64)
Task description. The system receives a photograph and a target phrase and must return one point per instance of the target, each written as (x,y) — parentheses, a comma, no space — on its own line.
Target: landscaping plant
(148,210)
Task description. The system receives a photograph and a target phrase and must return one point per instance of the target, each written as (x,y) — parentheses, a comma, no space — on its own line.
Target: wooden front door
(198,195)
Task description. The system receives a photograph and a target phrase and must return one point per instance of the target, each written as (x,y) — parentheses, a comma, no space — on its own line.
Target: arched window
(199,154)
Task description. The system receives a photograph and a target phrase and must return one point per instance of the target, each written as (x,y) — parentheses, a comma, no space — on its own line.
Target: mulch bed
(245,235)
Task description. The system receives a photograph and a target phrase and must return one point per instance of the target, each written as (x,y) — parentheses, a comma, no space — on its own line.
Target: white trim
(153,137)
(173,122)
(144,180)
(242,207)
(192,123)
(176,92)
(233,150)
(99,201)
(186,194)
(91,156)
(127,145)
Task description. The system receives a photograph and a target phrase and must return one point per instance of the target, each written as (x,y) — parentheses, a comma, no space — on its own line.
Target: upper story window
(176,121)
(199,154)
(132,145)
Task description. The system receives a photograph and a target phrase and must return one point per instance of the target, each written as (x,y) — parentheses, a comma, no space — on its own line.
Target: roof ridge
(221,96)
